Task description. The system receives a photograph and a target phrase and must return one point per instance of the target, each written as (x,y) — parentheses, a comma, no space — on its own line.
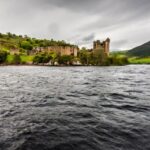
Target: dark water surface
(75,108)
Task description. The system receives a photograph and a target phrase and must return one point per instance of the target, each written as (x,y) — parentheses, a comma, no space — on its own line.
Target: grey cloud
(74,20)
(73,5)
(88,38)
(122,13)
(97,6)
(54,30)
(119,44)
(84,40)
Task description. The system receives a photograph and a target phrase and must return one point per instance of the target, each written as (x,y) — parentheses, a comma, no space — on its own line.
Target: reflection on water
(75,108)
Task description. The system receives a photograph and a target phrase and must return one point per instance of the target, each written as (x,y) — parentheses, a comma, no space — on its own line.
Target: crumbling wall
(62,50)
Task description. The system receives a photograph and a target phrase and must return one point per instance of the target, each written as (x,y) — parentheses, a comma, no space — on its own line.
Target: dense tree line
(53,58)
(98,58)
(42,58)
(15,58)
(84,58)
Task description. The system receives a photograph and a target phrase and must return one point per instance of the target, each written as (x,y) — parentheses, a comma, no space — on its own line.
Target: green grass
(24,59)
(136,60)
(9,59)
(132,60)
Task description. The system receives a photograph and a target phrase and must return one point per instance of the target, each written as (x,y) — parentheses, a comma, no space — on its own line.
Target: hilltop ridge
(140,51)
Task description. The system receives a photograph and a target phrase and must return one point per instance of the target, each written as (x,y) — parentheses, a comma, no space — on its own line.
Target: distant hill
(140,51)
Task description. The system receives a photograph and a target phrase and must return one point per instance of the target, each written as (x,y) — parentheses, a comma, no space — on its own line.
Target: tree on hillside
(1,35)
(54,56)
(27,46)
(3,56)
(65,60)
(84,56)
(9,35)
(98,57)
(42,58)
(16,59)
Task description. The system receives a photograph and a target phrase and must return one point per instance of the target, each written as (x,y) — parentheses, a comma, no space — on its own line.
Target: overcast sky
(126,22)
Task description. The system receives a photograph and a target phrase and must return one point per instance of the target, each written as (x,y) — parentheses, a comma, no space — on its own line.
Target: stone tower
(102,45)
(97,44)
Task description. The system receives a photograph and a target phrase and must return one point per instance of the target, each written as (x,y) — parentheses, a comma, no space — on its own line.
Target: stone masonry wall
(62,50)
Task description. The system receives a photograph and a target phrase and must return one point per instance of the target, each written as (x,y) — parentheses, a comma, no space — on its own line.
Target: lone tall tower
(104,46)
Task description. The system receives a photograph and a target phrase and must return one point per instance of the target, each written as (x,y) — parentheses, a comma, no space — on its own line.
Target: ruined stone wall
(62,50)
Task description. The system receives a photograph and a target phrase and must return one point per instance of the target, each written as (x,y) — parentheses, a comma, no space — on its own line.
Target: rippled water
(75,108)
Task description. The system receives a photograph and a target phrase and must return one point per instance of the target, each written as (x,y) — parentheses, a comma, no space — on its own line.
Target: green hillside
(15,49)
(138,55)
(24,43)
(140,51)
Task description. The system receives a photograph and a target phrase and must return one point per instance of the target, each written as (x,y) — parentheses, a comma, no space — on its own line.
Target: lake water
(75,108)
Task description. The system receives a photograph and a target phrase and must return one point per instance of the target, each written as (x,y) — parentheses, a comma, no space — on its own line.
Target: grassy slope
(137,60)
(24,58)
(132,59)
(6,44)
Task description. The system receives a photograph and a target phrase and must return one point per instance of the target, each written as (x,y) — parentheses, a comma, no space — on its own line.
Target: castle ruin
(73,50)
(61,50)
(104,46)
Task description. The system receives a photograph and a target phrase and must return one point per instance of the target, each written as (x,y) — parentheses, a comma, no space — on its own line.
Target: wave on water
(75,108)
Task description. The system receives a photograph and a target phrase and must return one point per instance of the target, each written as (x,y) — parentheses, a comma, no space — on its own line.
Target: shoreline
(40,65)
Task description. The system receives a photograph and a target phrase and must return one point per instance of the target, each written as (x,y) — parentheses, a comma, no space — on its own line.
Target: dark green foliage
(3,56)
(114,60)
(140,51)
(96,57)
(26,45)
(65,60)
(9,35)
(42,58)
(83,55)
(16,59)
(1,35)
